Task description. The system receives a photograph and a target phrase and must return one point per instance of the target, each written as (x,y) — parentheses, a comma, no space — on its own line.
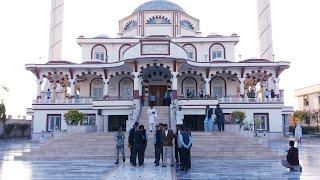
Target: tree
(315,115)
(73,117)
(3,116)
(239,117)
(303,116)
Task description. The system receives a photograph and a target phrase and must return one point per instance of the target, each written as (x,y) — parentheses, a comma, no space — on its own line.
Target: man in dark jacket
(186,143)
(138,147)
(167,137)
(220,117)
(292,161)
(158,145)
(176,146)
(131,141)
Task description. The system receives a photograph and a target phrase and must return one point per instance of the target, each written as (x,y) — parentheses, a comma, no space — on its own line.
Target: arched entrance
(156,86)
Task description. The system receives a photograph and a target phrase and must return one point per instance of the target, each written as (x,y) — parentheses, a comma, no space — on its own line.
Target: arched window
(217,51)
(218,87)
(191,51)
(126,88)
(189,87)
(186,24)
(122,50)
(158,19)
(97,88)
(99,52)
(130,25)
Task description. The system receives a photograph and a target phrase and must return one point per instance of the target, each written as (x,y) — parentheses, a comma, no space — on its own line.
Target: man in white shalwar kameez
(152,113)
(298,133)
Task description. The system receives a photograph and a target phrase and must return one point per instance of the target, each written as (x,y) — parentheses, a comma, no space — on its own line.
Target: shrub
(23,128)
(8,128)
(73,116)
(305,129)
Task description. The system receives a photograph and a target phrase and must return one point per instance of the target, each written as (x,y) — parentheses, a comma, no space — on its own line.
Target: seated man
(292,161)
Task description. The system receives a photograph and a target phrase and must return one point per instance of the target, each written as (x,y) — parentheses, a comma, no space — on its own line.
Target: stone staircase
(101,146)
(162,113)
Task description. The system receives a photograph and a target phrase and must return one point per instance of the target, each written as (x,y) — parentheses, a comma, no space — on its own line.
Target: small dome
(102,36)
(156,5)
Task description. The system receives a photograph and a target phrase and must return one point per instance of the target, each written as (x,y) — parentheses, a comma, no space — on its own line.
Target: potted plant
(73,118)
(238,117)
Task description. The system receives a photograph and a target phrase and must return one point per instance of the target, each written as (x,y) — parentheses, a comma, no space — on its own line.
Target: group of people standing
(208,122)
(164,139)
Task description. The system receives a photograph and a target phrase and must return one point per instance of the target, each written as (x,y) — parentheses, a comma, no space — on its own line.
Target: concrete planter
(81,129)
(235,128)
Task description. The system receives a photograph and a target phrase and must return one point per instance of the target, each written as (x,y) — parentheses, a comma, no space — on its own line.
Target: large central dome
(156,5)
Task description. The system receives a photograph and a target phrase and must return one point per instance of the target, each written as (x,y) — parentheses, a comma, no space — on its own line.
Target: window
(89,119)
(189,89)
(126,88)
(264,125)
(190,55)
(99,52)
(216,54)
(53,122)
(218,92)
(99,56)
(306,100)
(97,86)
(191,51)
(217,51)
(228,118)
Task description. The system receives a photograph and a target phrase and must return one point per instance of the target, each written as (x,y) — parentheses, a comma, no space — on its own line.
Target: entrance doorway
(116,121)
(158,91)
(194,122)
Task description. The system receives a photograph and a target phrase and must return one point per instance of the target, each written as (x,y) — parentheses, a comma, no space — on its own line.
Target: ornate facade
(159,49)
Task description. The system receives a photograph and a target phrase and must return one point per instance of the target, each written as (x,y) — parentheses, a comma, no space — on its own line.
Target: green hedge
(305,129)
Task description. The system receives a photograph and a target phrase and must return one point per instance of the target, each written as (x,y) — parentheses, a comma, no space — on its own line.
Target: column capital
(276,80)
(207,80)
(241,79)
(72,81)
(136,74)
(174,74)
(106,81)
(39,81)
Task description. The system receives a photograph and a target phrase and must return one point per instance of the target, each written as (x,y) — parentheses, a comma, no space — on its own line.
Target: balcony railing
(250,100)
(236,99)
(64,101)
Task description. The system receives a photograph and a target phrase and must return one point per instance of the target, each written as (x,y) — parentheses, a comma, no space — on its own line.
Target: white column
(264,29)
(106,88)
(276,86)
(174,80)
(174,85)
(136,81)
(207,86)
(140,87)
(241,80)
(56,29)
(72,87)
(39,82)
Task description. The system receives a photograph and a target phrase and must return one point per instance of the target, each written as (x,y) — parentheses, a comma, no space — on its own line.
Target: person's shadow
(292,175)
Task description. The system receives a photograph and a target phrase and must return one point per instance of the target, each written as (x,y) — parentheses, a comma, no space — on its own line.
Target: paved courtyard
(201,168)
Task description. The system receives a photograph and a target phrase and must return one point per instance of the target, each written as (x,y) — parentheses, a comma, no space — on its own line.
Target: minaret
(264,29)
(56,29)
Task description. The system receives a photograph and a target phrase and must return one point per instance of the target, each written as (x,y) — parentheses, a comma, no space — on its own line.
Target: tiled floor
(201,168)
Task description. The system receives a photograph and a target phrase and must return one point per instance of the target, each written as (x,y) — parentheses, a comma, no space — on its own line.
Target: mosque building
(159,51)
